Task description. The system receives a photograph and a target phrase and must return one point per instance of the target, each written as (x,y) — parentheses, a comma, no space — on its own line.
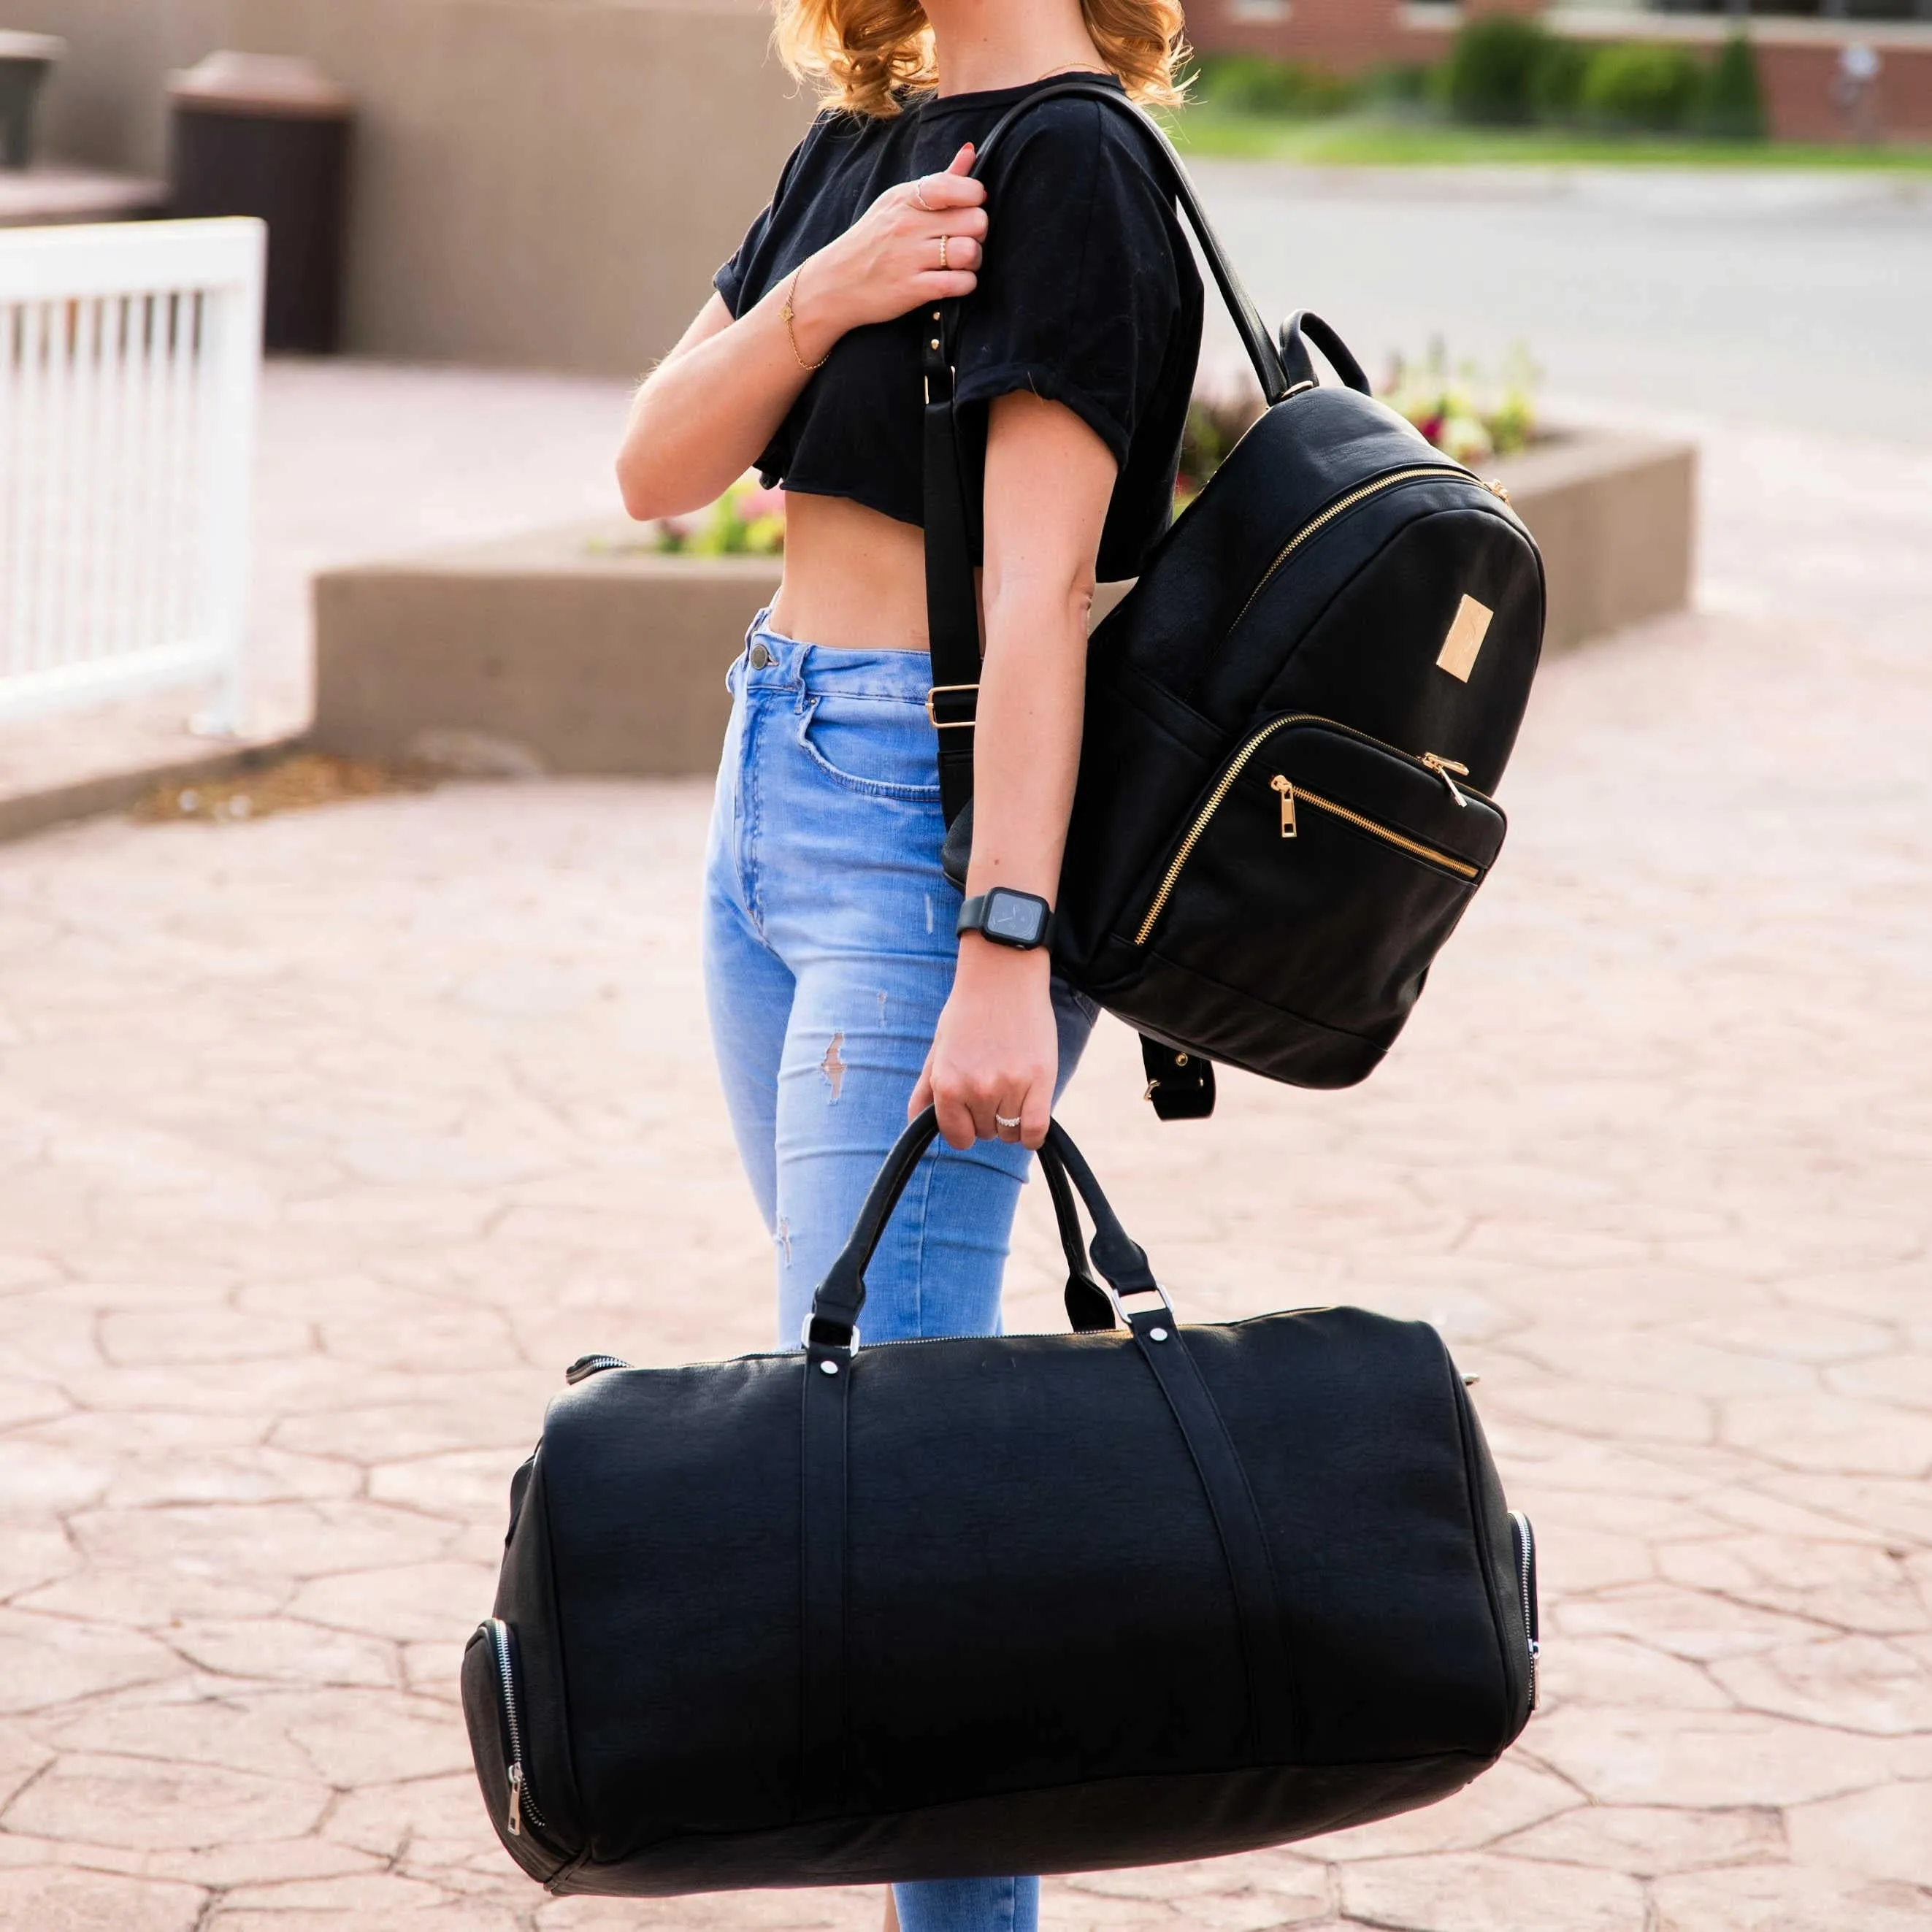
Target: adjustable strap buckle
(952,698)
(818,1331)
(1180,1085)
(1126,1314)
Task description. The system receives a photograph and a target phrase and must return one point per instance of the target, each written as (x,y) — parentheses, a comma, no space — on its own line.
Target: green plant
(1492,70)
(1253,84)
(1732,104)
(1651,89)
(1397,84)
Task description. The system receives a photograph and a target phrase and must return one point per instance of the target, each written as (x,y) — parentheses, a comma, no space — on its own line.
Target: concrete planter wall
(576,651)
(1616,517)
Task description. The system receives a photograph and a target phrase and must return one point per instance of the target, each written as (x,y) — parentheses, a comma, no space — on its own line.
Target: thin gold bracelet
(791,333)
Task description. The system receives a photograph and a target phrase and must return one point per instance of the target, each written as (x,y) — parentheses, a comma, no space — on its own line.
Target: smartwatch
(1022,920)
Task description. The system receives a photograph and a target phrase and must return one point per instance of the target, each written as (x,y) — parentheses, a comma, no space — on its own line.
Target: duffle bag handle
(1122,1263)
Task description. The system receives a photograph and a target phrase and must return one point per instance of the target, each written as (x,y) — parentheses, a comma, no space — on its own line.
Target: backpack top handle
(1303,327)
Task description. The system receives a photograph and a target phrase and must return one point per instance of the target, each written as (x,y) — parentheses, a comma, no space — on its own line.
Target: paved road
(1760,298)
(326,1141)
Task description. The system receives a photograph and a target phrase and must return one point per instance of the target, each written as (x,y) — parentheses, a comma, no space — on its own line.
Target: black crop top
(1088,295)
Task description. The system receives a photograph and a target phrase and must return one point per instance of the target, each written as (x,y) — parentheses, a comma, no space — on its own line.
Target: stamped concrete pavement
(327,1140)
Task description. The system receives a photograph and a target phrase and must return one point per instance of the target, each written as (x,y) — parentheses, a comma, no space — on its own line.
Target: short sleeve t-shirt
(1088,295)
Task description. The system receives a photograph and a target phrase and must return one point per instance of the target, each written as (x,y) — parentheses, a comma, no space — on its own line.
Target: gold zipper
(1288,828)
(1402,839)
(1442,767)
(1347,503)
(1289,794)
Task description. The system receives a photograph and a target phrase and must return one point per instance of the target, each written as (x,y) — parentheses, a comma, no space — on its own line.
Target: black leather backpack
(1295,719)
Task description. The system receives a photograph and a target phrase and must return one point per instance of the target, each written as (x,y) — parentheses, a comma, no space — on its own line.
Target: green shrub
(1397,84)
(1253,84)
(1492,68)
(1652,89)
(1556,82)
(1732,104)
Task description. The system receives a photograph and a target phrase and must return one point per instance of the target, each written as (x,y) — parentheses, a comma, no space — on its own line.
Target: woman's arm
(703,414)
(1049,478)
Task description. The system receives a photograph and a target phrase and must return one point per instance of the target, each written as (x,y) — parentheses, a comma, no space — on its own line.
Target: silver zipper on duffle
(520,1800)
(1526,1571)
(585,1367)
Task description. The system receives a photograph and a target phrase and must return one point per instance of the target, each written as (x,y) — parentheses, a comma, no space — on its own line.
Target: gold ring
(942,251)
(919,195)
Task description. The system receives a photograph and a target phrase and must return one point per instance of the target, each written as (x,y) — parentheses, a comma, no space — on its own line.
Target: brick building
(1802,59)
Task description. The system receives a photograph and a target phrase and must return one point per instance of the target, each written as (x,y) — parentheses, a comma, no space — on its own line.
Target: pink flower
(755,503)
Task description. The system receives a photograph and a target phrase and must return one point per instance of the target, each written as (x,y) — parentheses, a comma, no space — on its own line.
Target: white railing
(130,360)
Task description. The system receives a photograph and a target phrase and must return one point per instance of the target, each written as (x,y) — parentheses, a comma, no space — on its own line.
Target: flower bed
(589,650)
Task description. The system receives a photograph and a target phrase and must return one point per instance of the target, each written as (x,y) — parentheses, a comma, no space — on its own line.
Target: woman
(841,1000)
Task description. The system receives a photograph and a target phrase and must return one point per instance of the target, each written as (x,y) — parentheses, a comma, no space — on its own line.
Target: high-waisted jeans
(829,952)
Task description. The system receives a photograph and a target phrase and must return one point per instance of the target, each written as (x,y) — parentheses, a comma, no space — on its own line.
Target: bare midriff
(854,579)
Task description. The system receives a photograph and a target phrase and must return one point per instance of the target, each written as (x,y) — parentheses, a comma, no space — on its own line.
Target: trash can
(25,60)
(268,136)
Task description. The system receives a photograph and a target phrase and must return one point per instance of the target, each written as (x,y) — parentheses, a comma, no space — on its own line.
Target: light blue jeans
(829,952)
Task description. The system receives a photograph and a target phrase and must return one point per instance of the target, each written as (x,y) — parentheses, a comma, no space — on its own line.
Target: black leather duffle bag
(1293,718)
(1015,1603)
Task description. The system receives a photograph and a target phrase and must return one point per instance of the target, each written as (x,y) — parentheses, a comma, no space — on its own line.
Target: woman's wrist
(983,962)
(817,317)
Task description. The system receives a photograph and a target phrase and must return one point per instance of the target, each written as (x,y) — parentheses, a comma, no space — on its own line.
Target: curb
(26,813)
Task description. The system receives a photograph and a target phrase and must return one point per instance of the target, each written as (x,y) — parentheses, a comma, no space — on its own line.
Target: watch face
(1018,918)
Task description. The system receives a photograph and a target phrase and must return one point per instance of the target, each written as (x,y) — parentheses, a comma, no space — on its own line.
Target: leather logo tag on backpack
(1458,654)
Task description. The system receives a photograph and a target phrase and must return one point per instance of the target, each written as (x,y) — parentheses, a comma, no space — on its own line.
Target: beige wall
(545,184)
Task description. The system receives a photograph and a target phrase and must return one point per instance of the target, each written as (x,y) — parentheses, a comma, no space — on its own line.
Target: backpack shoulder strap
(952,608)
(1255,338)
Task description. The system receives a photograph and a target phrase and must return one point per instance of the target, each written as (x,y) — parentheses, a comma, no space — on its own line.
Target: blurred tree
(1492,69)
(1556,83)
(1733,103)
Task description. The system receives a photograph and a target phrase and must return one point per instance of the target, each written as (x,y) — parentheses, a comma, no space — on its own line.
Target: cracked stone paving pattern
(327,1140)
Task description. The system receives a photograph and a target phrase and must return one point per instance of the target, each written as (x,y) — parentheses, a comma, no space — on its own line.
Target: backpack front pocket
(1319,874)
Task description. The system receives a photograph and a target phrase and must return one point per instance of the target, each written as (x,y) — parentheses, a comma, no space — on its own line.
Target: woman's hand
(887,262)
(996,1052)
(703,414)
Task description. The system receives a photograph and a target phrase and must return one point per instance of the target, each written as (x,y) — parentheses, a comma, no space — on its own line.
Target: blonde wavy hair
(858,53)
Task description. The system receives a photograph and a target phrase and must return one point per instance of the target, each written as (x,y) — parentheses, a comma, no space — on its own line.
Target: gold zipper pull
(1495,488)
(1442,767)
(1279,784)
